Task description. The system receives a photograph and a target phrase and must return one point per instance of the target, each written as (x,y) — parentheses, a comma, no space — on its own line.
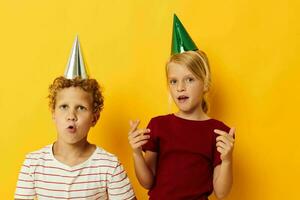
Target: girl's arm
(145,165)
(223,178)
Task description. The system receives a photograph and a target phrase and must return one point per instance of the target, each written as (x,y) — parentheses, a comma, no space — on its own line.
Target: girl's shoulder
(220,124)
(162,117)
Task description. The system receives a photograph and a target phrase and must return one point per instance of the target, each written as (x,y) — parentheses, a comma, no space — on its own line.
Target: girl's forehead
(178,69)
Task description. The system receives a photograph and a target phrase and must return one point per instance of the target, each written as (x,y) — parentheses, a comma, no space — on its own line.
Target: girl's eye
(172,82)
(189,80)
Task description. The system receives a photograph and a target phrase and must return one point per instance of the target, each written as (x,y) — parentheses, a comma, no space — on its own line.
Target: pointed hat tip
(76,64)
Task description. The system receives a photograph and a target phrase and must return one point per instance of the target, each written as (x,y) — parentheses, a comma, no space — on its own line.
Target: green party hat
(181,40)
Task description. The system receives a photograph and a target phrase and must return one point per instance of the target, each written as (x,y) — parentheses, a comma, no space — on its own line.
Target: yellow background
(252,46)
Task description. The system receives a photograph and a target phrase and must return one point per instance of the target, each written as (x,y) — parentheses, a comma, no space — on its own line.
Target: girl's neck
(197,115)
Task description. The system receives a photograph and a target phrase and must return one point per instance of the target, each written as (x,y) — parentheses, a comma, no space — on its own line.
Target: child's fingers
(133,125)
(220,150)
(222,145)
(220,132)
(225,138)
(232,132)
(140,138)
(229,135)
(140,144)
(139,141)
(139,132)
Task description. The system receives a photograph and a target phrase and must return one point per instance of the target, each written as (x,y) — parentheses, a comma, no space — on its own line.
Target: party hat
(181,40)
(75,66)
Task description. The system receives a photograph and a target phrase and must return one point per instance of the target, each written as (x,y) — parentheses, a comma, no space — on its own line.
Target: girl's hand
(137,137)
(225,144)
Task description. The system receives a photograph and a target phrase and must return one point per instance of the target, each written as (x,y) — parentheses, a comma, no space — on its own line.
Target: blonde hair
(89,85)
(197,63)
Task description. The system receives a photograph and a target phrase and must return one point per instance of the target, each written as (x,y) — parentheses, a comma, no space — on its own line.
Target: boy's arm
(118,185)
(25,183)
(223,178)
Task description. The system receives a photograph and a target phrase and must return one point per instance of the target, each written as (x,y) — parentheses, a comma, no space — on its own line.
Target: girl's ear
(205,87)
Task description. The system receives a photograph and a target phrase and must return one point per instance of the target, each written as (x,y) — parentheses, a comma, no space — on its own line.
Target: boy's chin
(72,141)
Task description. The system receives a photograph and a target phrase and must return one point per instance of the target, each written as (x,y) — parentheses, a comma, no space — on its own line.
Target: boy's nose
(71,116)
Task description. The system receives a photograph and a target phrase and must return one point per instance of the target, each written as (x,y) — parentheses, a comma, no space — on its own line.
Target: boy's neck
(64,150)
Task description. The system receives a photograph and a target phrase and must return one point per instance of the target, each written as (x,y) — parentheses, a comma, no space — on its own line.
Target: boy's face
(73,114)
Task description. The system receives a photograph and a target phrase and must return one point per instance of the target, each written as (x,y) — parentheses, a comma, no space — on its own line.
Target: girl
(187,154)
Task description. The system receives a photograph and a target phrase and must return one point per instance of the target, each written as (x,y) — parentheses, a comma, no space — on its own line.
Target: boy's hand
(225,144)
(136,136)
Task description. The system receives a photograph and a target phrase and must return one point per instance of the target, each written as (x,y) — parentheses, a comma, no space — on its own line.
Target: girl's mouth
(182,98)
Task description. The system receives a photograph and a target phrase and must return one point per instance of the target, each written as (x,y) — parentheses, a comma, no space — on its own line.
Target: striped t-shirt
(43,177)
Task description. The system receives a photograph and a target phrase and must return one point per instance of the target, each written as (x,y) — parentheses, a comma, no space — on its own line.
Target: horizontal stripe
(73,183)
(73,197)
(67,170)
(117,194)
(115,188)
(65,176)
(81,190)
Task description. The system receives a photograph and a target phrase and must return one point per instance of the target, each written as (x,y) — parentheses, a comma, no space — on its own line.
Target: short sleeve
(217,156)
(119,186)
(153,142)
(25,185)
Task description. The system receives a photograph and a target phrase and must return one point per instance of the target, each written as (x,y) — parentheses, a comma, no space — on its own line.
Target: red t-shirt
(187,155)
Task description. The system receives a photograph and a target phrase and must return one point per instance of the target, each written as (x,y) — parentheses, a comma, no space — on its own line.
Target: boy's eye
(63,107)
(81,108)
(172,81)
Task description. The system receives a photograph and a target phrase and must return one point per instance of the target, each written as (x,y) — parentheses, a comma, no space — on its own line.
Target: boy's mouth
(71,128)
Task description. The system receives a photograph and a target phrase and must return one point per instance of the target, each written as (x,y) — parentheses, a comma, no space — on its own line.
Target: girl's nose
(180,87)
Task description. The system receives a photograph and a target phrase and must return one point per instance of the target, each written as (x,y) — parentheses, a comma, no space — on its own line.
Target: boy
(72,168)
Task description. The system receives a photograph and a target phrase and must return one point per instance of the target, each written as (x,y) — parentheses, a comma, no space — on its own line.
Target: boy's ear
(52,115)
(95,119)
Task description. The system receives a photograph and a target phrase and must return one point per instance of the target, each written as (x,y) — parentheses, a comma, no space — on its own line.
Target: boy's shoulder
(40,153)
(103,154)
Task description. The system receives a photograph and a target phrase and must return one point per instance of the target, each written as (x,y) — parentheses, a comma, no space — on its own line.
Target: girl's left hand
(225,144)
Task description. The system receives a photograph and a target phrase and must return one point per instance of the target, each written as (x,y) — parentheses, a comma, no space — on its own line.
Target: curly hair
(89,85)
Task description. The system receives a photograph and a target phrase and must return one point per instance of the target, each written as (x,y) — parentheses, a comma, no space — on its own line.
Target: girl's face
(73,114)
(185,88)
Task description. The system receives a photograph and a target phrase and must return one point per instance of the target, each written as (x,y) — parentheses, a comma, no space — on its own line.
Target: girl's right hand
(137,137)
